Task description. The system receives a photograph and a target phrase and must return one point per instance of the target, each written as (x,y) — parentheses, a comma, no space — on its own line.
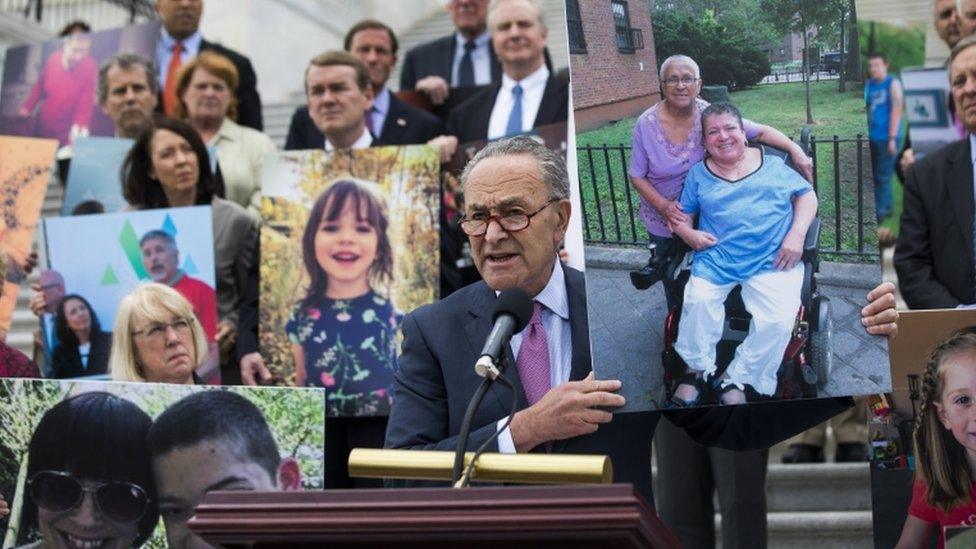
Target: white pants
(772,298)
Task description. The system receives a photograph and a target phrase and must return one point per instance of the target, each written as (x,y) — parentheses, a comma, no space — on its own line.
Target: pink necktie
(533,358)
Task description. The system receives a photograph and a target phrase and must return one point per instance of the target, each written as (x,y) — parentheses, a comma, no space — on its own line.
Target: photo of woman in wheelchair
(753,215)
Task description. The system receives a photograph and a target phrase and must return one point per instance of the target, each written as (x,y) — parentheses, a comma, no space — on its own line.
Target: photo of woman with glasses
(89,482)
(157,337)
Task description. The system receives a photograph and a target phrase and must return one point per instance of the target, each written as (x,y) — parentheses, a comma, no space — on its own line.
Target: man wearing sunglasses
(517,209)
(212,440)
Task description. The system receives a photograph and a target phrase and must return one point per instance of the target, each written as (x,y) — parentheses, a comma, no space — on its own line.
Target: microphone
(511,313)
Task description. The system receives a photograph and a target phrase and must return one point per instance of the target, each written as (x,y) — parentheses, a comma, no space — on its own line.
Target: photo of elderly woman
(343,332)
(753,214)
(87,464)
(756,295)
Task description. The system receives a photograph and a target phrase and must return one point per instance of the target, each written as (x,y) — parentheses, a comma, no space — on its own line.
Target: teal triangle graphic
(169,227)
(130,245)
(108,277)
(189,267)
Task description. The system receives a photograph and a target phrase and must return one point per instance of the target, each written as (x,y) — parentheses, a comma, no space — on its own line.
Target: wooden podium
(577,516)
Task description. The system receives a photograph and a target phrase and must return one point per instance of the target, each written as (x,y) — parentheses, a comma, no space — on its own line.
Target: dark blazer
(404,125)
(248,100)
(469,120)
(436,379)
(436,58)
(934,252)
(66,362)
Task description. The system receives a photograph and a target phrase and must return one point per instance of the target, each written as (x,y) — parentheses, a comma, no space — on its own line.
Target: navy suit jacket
(435,381)
(436,58)
(934,253)
(469,120)
(404,125)
(248,100)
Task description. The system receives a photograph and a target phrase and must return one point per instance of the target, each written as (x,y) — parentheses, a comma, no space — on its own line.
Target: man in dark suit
(462,59)
(934,253)
(390,120)
(527,96)
(181,32)
(517,210)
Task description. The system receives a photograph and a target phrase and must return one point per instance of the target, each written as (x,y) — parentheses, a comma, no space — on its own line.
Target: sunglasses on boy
(59,492)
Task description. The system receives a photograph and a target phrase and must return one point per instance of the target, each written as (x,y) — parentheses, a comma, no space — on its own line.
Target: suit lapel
(496,67)
(482,116)
(580,334)
(445,61)
(477,330)
(959,183)
(552,103)
(391,129)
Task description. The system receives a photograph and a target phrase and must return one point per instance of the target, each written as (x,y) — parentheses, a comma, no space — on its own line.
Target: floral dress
(350,349)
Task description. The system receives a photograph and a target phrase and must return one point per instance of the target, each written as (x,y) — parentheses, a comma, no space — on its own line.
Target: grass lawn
(603,171)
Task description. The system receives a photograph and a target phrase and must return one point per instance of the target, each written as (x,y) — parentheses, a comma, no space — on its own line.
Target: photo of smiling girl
(343,332)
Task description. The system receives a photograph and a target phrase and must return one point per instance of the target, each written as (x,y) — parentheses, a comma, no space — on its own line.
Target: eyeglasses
(59,492)
(157,330)
(684,80)
(477,223)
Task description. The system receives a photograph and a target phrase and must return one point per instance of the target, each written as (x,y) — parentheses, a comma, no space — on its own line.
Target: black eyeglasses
(477,223)
(59,492)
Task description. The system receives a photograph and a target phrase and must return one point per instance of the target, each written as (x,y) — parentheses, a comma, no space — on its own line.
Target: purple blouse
(655,158)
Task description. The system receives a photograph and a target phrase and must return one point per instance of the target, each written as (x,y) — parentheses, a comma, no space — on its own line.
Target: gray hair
(961,45)
(157,234)
(722,107)
(551,165)
(494,4)
(125,61)
(679,60)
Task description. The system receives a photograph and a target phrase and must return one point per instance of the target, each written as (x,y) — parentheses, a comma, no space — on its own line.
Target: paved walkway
(626,327)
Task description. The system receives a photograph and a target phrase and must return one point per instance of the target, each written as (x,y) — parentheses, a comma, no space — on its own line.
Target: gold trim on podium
(513,468)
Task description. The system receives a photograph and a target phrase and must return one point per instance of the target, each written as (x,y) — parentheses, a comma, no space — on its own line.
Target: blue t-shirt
(749,217)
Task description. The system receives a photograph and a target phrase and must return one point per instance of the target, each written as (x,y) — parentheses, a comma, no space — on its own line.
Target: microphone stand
(490,374)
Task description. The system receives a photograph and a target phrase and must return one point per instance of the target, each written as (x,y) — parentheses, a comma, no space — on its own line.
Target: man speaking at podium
(516,211)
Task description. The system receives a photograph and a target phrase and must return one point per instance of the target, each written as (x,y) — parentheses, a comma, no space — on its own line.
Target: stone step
(818,487)
(817,530)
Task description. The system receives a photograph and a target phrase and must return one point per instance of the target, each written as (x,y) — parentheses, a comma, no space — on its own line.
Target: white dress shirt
(480,59)
(164,51)
(555,318)
(381,107)
(364,141)
(533,87)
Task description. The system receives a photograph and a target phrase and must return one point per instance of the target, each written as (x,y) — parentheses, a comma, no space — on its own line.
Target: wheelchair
(806,362)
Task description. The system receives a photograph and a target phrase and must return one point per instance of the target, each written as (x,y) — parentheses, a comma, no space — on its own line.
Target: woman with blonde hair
(157,338)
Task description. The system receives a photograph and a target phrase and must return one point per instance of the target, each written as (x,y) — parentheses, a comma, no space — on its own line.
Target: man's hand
(699,240)
(907,159)
(789,252)
(37,303)
(802,162)
(879,316)
(226,336)
(566,411)
(435,88)
(253,370)
(4,508)
(446,146)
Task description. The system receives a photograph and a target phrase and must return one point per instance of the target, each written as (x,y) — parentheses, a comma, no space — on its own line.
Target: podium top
(531,516)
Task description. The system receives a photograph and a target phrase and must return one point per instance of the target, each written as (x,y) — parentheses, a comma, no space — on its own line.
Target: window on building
(574,24)
(621,24)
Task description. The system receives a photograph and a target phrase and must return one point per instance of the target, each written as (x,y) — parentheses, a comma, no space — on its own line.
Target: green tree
(789,16)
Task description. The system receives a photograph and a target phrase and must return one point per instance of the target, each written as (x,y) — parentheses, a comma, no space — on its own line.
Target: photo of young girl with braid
(944,491)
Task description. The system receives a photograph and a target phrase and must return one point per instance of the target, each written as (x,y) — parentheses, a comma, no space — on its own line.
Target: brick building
(614,67)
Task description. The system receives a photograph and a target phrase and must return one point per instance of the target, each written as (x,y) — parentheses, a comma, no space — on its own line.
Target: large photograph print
(95,464)
(739,278)
(350,243)
(102,258)
(51,89)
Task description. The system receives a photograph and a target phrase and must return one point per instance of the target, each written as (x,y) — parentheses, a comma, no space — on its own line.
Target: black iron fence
(842,180)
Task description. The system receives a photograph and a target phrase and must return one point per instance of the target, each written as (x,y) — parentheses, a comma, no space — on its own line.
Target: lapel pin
(401,122)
